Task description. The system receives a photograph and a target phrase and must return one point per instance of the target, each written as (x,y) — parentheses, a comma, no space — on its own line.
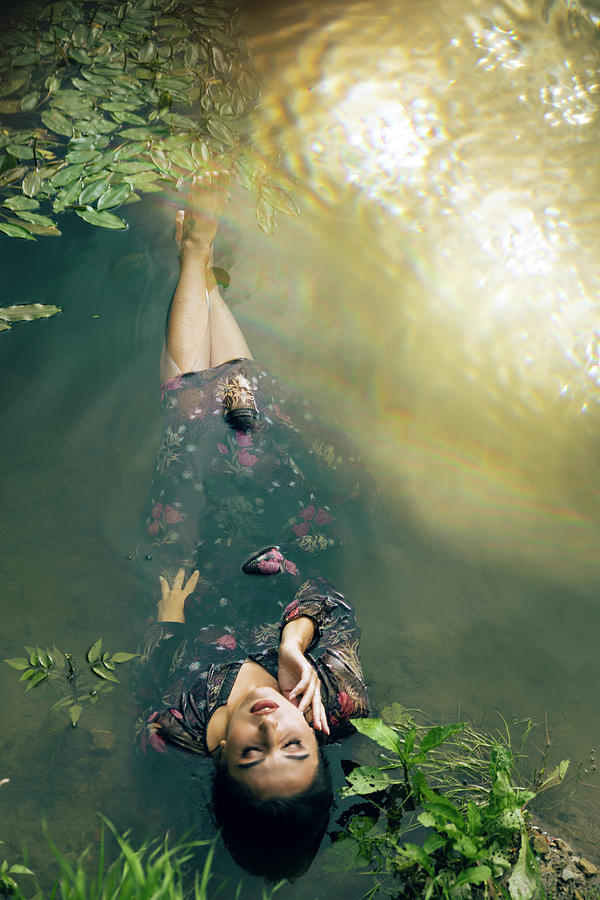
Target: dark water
(421,301)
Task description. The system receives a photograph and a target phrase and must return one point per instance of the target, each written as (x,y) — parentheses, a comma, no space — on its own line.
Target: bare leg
(188,329)
(226,338)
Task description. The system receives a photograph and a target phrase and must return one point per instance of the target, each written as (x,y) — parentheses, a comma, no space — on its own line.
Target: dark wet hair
(275,838)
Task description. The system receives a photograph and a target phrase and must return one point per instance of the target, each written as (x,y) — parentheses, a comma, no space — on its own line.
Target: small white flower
(275,484)
(223,601)
(194,666)
(187,475)
(292,483)
(191,448)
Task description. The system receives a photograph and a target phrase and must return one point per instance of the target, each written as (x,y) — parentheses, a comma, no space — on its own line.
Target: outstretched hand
(300,684)
(172,601)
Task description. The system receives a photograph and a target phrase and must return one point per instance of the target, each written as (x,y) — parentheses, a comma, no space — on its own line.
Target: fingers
(178,580)
(191,583)
(164,587)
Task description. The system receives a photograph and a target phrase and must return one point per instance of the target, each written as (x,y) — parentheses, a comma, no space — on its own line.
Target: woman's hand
(170,605)
(299,682)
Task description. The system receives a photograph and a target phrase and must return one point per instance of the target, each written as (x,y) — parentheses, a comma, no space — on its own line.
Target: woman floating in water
(252,659)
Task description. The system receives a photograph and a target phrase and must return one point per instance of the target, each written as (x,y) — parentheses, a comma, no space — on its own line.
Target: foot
(196,226)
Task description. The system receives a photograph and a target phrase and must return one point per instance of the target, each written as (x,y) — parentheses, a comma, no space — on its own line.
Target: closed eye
(247,750)
(293,741)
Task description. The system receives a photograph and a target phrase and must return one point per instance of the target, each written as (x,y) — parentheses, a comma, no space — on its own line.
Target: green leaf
(20,202)
(32,183)
(56,122)
(383,735)
(68,196)
(30,101)
(524,882)
(103,673)
(141,134)
(114,196)
(83,156)
(183,159)
(474,875)
(555,777)
(122,657)
(19,663)
(93,191)
(20,151)
(36,218)
(66,176)
(100,164)
(28,312)
(416,854)
(221,131)
(434,842)
(436,736)
(94,652)
(365,780)
(280,200)
(18,869)
(27,674)
(16,231)
(36,679)
(147,53)
(75,713)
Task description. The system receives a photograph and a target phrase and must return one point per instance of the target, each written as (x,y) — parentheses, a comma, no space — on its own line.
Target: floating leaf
(147,53)
(102,219)
(15,231)
(11,83)
(10,175)
(280,200)
(31,184)
(20,151)
(36,218)
(365,780)
(28,312)
(91,193)
(19,663)
(221,131)
(94,652)
(102,163)
(75,713)
(66,176)
(55,121)
(52,84)
(30,101)
(103,673)
(114,196)
(83,156)
(141,134)
(20,202)
(265,216)
(68,196)
(36,679)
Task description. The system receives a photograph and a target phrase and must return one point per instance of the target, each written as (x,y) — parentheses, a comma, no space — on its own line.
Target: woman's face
(270,747)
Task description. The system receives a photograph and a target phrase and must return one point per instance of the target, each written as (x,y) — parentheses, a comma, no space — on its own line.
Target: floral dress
(260,513)
(182,677)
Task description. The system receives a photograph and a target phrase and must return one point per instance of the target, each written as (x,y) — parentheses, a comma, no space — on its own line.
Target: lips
(262,706)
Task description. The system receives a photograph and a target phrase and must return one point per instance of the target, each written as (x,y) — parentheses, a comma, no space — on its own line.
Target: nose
(268,725)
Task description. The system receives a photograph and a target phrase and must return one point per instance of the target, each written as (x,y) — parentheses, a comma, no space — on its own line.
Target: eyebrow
(257,762)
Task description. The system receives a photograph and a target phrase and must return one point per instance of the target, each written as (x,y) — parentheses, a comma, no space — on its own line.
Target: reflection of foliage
(462,787)
(25,312)
(97,677)
(102,101)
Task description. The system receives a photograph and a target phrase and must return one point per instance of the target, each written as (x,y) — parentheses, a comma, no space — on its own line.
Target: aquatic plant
(84,683)
(462,787)
(25,312)
(103,101)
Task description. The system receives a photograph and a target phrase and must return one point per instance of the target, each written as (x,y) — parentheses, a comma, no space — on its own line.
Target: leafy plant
(468,801)
(104,101)
(84,683)
(8,885)
(153,870)
(25,312)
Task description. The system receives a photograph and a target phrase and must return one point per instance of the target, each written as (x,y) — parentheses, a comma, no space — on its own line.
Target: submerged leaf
(95,650)
(365,780)
(20,202)
(75,713)
(36,218)
(280,200)
(122,657)
(19,663)
(32,183)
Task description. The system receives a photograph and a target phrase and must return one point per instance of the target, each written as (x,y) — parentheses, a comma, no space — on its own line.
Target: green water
(439,334)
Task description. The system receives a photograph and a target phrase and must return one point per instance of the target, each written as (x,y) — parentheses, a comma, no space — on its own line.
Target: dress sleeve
(333,651)
(166,714)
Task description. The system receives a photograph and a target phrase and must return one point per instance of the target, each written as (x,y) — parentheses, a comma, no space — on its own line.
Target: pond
(437,297)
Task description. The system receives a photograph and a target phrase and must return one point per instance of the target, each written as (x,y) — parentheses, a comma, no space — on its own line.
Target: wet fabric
(261,515)
(182,678)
